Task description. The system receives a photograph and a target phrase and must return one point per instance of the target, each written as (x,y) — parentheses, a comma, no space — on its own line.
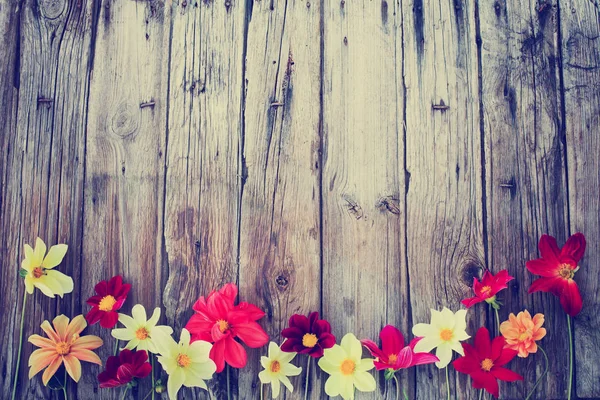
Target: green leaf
(23,273)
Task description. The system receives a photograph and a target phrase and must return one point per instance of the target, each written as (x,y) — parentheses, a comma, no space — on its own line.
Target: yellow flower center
(446,334)
(347,367)
(223,325)
(566,272)
(275,366)
(38,272)
(63,348)
(183,360)
(486,291)
(392,358)
(141,333)
(107,303)
(524,336)
(309,340)
(487,364)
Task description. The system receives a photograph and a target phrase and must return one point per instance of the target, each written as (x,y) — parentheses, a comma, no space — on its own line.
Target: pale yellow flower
(347,369)
(187,364)
(38,269)
(445,332)
(277,368)
(140,331)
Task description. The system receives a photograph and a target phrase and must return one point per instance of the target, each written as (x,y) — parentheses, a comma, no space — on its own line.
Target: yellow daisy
(277,368)
(37,269)
(140,331)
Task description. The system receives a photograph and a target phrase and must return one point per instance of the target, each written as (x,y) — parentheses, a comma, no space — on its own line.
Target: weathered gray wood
(443,161)
(580,45)
(203,169)
(280,230)
(362,184)
(525,167)
(125,150)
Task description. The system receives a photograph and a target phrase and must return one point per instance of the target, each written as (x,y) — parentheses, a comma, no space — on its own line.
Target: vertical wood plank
(525,166)
(443,163)
(280,229)
(125,147)
(580,45)
(203,169)
(362,184)
(43,175)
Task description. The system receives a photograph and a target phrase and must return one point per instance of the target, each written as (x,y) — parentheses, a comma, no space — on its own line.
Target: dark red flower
(121,369)
(217,320)
(485,362)
(110,296)
(487,289)
(557,269)
(307,335)
(393,353)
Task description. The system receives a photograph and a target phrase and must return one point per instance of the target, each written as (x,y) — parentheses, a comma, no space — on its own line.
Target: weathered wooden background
(362,158)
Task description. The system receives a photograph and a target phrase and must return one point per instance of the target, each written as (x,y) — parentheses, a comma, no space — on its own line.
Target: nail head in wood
(147,104)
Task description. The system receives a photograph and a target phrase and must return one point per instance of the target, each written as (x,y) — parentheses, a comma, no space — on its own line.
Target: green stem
(125,392)
(307,376)
(397,387)
(153,383)
(116,348)
(497,319)
(447,383)
(65,386)
(405,395)
(16,371)
(570,357)
(541,376)
(228,386)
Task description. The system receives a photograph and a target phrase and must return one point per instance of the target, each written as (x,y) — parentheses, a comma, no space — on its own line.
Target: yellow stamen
(487,364)
(566,272)
(141,333)
(38,272)
(309,340)
(347,367)
(63,348)
(275,366)
(223,325)
(183,360)
(107,303)
(524,336)
(392,358)
(446,334)
(486,290)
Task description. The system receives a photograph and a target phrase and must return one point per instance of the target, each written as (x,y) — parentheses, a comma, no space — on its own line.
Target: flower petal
(77,325)
(86,355)
(175,382)
(38,252)
(542,267)
(506,375)
(49,331)
(550,285)
(570,299)
(122,334)
(574,248)
(235,355)
(352,346)
(444,353)
(392,340)
(51,370)
(65,281)
(138,312)
(61,323)
(73,366)
(364,381)
(55,256)
(42,342)
(251,334)
(549,249)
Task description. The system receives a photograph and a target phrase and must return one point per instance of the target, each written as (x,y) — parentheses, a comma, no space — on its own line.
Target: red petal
(199,325)
(570,298)
(423,358)
(326,340)
(483,343)
(549,285)
(392,340)
(497,347)
(217,354)
(229,291)
(125,373)
(252,334)
(373,349)
(405,358)
(471,301)
(301,322)
(112,364)
(291,345)
(542,267)
(466,365)
(549,249)
(292,332)
(486,381)
(101,288)
(109,320)
(321,327)
(114,284)
(235,355)
(143,371)
(505,357)
(505,374)
(94,315)
(124,290)
(94,300)
(251,311)
(574,248)
(379,366)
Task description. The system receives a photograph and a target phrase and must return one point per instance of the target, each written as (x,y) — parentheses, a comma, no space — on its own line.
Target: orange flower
(63,345)
(521,332)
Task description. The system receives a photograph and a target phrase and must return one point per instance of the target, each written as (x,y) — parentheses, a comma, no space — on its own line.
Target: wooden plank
(443,162)
(203,169)
(280,231)
(125,147)
(44,158)
(525,166)
(364,286)
(580,45)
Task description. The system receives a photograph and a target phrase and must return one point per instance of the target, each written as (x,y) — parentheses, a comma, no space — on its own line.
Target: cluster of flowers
(211,338)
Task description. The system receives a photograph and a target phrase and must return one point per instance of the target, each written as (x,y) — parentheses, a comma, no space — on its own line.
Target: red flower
(485,362)
(121,369)
(307,335)
(109,299)
(218,321)
(557,268)
(393,353)
(488,287)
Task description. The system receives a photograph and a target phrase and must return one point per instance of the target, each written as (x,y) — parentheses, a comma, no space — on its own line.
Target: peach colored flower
(521,332)
(63,345)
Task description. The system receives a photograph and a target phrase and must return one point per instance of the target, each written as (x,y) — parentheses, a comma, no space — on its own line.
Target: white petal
(138,312)
(422,330)
(352,346)
(460,320)
(275,387)
(122,334)
(444,353)
(427,344)
(55,256)
(154,318)
(273,350)
(333,385)
(175,382)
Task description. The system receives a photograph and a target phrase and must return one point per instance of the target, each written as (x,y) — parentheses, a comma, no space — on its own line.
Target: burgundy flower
(121,369)
(109,299)
(307,335)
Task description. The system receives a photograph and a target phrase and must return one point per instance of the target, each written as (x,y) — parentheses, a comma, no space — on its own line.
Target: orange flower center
(63,348)
(183,360)
(275,366)
(487,364)
(524,336)
(347,367)
(446,334)
(392,358)
(107,303)
(309,340)
(566,272)
(223,325)
(141,333)
(486,291)
(38,272)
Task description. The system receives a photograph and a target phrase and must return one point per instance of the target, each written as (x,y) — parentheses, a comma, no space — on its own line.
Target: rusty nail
(45,100)
(147,104)
(440,106)
(277,104)
(506,185)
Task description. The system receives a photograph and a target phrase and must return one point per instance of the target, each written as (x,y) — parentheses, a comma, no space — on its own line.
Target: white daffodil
(347,369)
(37,269)
(187,364)
(445,332)
(139,330)
(277,368)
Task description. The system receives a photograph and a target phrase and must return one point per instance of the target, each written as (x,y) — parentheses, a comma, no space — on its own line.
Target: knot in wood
(125,120)
(52,9)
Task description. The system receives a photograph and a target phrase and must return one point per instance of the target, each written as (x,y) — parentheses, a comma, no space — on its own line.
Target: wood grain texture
(280,229)
(525,166)
(580,45)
